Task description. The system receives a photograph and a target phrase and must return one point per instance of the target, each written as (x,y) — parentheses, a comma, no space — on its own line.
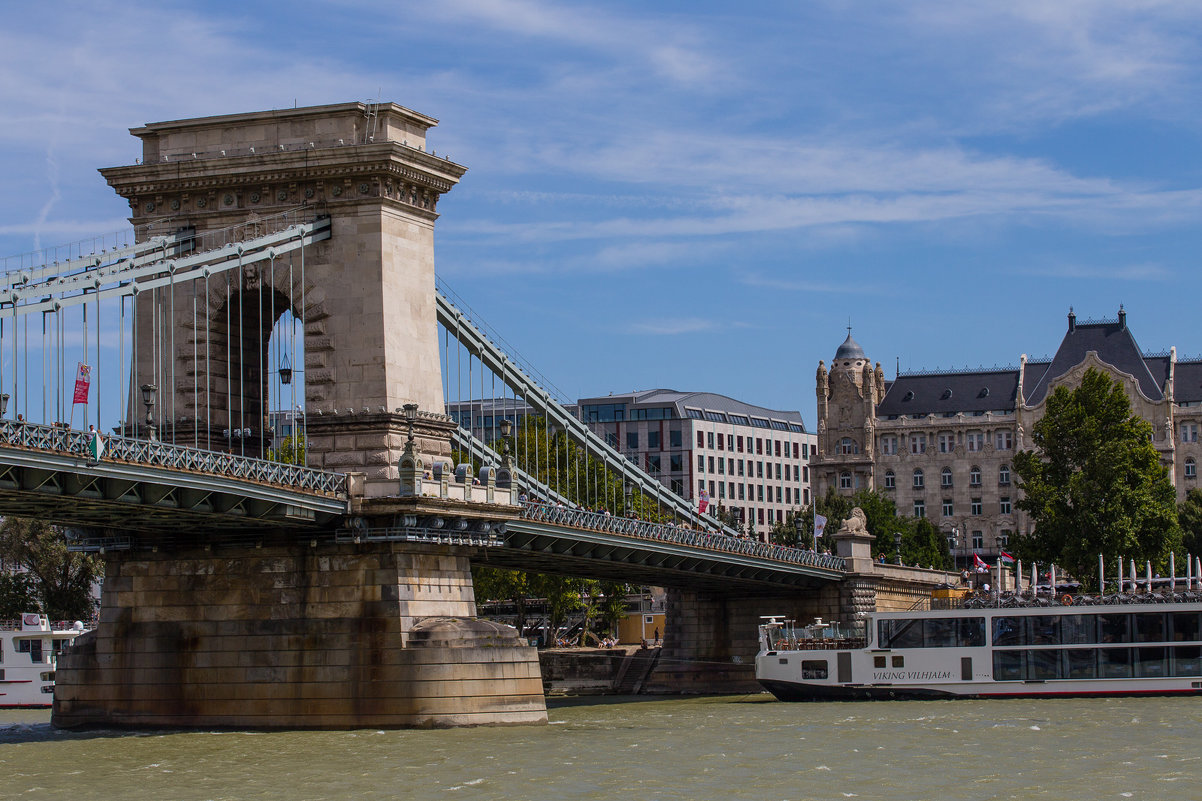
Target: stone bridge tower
(366,295)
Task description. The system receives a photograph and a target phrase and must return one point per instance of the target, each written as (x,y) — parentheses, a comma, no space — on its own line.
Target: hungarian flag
(1005,557)
(704,502)
(977,561)
(96,445)
(83,380)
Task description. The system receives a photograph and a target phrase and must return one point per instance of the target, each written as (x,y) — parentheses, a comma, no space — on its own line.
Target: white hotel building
(749,459)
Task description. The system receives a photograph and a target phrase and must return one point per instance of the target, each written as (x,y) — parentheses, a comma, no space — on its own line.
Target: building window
(1189,432)
(947,442)
(678,487)
(700,439)
(759,446)
(676,463)
(845,480)
(760,516)
(730,442)
(918,479)
(740,467)
(1003,475)
(945,477)
(847,445)
(741,493)
(778,478)
(779,495)
(739,440)
(974,476)
(889,446)
(1004,440)
(975,440)
(890,480)
(759,469)
(978,540)
(1004,537)
(632,440)
(1004,505)
(700,463)
(975,507)
(711,489)
(948,508)
(721,441)
(700,487)
(805,451)
(789,496)
(760,493)
(805,470)
(920,508)
(721,490)
(653,463)
(653,440)
(711,465)
(709,437)
(918,443)
(776,448)
(721,466)
(1191,468)
(675,438)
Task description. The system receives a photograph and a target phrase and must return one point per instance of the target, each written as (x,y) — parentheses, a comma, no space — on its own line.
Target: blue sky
(697,195)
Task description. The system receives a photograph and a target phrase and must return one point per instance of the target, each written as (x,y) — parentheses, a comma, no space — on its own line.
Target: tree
(1189,516)
(1095,483)
(63,579)
(291,451)
(18,593)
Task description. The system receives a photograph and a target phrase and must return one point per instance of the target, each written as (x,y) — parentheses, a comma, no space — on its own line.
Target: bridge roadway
(159,489)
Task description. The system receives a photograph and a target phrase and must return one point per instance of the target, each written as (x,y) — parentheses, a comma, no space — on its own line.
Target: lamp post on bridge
(629,491)
(506,426)
(951,546)
(148,396)
(897,538)
(798,526)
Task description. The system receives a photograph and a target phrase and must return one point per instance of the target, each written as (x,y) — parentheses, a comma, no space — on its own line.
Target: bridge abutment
(296,636)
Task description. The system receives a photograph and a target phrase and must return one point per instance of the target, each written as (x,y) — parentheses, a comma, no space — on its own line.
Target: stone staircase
(635,670)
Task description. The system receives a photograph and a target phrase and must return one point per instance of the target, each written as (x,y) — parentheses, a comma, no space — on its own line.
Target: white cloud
(673,326)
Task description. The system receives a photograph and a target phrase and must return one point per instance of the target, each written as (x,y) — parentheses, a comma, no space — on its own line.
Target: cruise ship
(29,648)
(1142,643)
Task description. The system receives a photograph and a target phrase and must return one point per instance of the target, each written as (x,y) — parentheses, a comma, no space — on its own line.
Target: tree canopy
(1094,483)
(61,580)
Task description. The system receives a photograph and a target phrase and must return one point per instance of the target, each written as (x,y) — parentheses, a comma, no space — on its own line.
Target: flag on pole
(705,501)
(977,561)
(819,527)
(83,380)
(95,443)
(1005,557)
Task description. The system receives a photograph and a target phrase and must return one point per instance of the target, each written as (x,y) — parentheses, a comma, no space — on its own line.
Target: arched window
(1191,468)
(974,476)
(890,480)
(847,445)
(945,477)
(845,480)
(1003,474)
(918,480)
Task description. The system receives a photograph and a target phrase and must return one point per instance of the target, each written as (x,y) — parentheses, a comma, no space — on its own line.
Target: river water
(722,748)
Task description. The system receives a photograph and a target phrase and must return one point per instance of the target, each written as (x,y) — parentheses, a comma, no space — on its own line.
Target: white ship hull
(29,649)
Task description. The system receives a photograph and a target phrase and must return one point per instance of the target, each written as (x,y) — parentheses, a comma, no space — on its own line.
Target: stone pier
(296,636)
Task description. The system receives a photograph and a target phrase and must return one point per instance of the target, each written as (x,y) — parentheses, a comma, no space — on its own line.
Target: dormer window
(947,393)
(909,396)
(984,393)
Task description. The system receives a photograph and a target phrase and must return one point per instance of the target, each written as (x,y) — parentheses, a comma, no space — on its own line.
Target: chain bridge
(275,303)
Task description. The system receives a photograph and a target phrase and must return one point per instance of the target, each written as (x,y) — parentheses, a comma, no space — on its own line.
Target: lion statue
(856,524)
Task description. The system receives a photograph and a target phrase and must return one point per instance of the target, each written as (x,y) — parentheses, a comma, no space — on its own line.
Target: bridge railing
(667,532)
(155,453)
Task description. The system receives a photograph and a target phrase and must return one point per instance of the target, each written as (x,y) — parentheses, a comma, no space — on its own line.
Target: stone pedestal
(336,636)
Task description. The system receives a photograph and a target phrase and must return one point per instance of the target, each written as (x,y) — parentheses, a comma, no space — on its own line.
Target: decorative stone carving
(856,524)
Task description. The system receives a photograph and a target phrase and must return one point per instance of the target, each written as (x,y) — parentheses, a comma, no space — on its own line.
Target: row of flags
(977,561)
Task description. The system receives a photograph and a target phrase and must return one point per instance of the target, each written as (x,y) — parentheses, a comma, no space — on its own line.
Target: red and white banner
(83,380)
(703,502)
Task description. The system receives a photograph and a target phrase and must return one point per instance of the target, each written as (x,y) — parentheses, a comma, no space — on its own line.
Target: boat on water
(29,649)
(1141,643)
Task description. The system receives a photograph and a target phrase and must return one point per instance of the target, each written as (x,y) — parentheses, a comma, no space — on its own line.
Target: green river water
(721,748)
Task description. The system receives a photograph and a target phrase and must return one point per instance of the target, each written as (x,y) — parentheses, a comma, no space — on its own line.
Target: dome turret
(850,349)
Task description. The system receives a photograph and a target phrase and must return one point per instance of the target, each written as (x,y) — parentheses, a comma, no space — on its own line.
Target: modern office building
(942,443)
(745,458)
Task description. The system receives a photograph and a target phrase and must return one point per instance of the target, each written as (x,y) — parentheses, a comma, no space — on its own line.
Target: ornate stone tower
(847,399)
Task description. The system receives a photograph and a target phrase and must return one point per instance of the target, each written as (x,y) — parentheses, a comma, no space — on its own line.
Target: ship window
(939,632)
(1042,630)
(880,661)
(1007,631)
(1082,664)
(1185,626)
(899,661)
(972,632)
(1078,629)
(900,633)
(47,675)
(813,669)
(1151,662)
(1149,627)
(1114,663)
(1,674)
(1187,660)
(1007,665)
(1043,664)
(1114,628)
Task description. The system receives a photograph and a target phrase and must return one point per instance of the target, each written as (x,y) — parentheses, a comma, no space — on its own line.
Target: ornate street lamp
(506,429)
(629,506)
(410,411)
(897,538)
(798,524)
(285,371)
(148,395)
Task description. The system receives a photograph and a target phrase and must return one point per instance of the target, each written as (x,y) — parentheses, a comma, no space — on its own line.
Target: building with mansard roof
(941,444)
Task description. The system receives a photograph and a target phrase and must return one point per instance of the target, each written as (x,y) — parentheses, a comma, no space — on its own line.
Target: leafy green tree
(18,593)
(924,546)
(63,578)
(613,604)
(1189,516)
(291,451)
(1094,483)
